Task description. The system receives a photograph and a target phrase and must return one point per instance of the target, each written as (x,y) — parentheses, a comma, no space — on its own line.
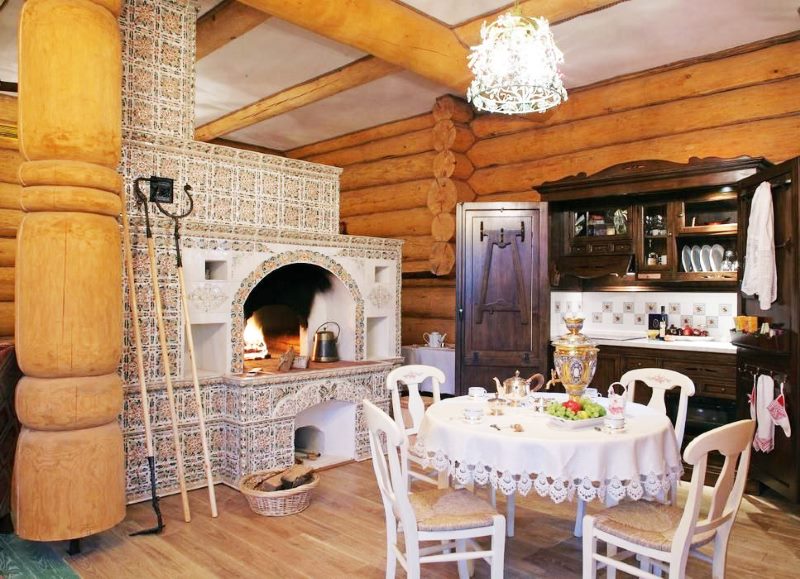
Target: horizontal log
(417,247)
(412,283)
(423,266)
(429,301)
(357,73)
(451,108)
(392,197)
(396,146)
(413,327)
(727,108)
(8,138)
(510,196)
(10,195)
(7,318)
(386,171)
(225,22)
(703,78)
(7,284)
(554,10)
(391,224)
(9,222)
(443,227)
(10,160)
(775,139)
(443,258)
(8,109)
(8,251)
(401,127)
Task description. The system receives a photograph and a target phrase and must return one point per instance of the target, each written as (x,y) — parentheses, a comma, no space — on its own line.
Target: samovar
(575,359)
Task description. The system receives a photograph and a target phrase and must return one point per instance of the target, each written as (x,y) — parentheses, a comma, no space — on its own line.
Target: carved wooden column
(451,138)
(69,469)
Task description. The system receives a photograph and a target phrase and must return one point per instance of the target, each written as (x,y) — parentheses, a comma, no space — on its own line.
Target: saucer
(472,421)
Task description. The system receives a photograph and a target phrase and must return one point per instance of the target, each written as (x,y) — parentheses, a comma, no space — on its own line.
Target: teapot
(517,387)
(434,339)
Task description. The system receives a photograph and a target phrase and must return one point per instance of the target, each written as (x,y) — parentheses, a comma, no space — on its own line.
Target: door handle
(526,357)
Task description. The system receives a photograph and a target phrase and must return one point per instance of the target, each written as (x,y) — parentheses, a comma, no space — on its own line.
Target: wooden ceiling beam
(554,10)
(227,21)
(349,76)
(385,29)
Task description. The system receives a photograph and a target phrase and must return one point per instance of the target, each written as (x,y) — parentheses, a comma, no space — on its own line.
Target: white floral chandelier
(516,66)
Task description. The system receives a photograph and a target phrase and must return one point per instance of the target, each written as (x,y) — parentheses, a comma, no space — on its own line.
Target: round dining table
(524,449)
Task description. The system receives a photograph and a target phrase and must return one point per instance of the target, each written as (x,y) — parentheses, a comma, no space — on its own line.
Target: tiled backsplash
(626,312)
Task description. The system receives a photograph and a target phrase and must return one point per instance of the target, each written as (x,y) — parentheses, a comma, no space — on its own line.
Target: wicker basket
(277,503)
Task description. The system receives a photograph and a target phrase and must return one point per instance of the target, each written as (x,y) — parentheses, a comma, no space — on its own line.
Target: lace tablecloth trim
(556,488)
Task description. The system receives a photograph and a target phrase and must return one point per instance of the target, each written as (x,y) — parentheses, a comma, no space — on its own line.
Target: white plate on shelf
(705,257)
(717,253)
(686,258)
(697,264)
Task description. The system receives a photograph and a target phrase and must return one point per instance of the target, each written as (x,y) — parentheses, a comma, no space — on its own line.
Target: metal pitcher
(325,344)
(518,387)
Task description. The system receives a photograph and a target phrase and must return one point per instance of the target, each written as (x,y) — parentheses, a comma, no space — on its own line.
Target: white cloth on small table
(442,358)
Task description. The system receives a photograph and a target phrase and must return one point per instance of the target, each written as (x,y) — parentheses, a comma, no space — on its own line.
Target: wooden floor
(342,534)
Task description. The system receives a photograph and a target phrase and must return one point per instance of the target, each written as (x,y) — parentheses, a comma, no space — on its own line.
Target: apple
(696,332)
(572,405)
(687,330)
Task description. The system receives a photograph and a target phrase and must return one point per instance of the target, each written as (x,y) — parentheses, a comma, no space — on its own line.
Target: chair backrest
(412,376)
(733,441)
(661,380)
(391,466)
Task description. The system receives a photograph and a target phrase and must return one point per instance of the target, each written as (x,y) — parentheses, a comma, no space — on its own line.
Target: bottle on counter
(662,323)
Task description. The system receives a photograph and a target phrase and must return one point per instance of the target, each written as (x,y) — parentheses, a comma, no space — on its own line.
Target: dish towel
(777,410)
(761,397)
(760,275)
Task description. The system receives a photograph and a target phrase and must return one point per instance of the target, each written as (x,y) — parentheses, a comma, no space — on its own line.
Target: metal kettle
(325,344)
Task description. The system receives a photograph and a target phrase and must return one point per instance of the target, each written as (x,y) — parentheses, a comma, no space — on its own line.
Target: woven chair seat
(449,510)
(647,524)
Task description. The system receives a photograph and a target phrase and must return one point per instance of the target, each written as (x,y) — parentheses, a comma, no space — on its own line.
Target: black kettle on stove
(325,344)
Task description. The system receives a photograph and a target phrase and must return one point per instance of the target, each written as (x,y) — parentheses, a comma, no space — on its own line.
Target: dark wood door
(502,292)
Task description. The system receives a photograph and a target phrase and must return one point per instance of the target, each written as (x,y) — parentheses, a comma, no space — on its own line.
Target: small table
(442,358)
(556,462)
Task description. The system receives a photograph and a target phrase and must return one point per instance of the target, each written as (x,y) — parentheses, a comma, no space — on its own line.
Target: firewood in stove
(287,358)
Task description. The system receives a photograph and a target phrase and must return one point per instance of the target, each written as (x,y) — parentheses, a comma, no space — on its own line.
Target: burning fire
(254,346)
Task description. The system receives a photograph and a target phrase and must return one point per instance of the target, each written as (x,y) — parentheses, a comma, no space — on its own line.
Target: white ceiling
(632,36)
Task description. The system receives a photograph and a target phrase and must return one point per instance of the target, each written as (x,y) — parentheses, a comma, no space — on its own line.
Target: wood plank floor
(342,535)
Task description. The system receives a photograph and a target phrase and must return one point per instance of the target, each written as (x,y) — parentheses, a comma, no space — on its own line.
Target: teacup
(477,392)
(473,414)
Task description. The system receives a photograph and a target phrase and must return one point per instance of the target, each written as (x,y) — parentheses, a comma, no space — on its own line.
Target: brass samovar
(575,359)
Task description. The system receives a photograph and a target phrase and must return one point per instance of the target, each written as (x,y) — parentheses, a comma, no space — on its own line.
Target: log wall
(10,209)
(738,102)
(403,180)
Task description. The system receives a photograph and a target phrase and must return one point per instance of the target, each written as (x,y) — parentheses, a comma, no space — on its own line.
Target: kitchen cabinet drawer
(628,363)
(626,247)
(710,379)
(600,248)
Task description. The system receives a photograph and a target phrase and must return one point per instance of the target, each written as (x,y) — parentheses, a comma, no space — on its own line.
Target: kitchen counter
(629,340)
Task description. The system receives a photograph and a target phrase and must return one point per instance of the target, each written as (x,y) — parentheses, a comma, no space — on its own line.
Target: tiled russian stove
(253,214)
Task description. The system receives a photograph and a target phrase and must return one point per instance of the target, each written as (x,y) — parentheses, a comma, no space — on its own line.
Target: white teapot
(434,339)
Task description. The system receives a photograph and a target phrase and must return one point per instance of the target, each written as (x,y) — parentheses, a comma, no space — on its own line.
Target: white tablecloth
(555,461)
(442,358)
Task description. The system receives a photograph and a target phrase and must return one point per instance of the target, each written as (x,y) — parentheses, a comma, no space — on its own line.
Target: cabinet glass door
(601,223)
(656,235)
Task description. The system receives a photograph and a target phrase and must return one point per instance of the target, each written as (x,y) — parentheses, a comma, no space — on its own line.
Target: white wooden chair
(659,380)
(412,376)
(663,536)
(450,519)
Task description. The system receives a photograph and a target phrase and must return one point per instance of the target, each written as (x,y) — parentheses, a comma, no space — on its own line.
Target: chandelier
(516,66)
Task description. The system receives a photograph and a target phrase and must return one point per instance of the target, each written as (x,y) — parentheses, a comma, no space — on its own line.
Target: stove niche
(283,306)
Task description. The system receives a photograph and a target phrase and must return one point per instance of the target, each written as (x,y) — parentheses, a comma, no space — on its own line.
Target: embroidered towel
(760,276)
(760,400)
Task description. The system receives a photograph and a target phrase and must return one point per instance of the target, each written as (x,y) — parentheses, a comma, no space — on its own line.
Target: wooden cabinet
(502,292)
(649,224)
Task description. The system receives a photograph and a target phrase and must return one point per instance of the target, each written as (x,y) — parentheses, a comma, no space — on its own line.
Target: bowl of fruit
(580,413)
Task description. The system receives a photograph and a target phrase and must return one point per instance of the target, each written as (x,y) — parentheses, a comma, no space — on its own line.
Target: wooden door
(502,292)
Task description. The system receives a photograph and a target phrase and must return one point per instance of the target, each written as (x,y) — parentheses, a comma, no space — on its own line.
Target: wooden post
(69,469)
